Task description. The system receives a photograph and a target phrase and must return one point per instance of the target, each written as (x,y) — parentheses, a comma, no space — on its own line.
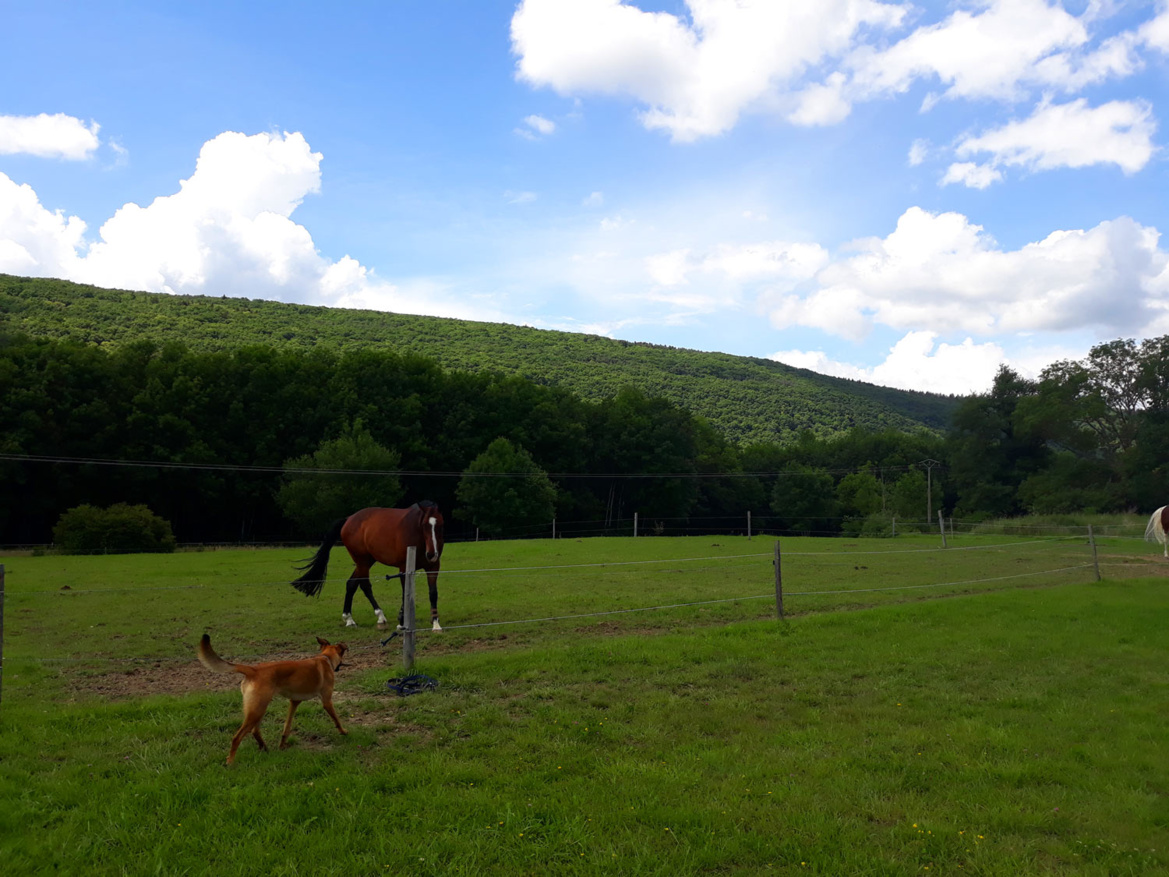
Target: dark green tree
(503,491)
(911,495)
(315,500)
(990,455)
(804,501)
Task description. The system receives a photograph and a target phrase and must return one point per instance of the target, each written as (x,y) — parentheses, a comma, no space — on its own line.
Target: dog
(296,680)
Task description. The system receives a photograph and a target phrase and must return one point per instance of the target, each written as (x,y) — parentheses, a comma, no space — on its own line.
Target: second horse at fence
(378,535)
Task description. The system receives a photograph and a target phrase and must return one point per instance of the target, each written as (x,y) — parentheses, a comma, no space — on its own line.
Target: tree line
(263,443)
(746,399)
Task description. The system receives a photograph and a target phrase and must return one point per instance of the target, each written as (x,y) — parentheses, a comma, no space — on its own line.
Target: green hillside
(748,399)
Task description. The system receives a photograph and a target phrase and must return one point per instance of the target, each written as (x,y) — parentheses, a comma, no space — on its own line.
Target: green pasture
(986,709)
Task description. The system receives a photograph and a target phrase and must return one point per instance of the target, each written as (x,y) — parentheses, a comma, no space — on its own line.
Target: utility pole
(929,487)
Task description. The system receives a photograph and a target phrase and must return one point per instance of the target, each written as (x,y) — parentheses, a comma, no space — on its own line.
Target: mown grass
(1003,731)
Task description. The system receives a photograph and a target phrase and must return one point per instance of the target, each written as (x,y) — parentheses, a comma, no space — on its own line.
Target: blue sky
(905,193)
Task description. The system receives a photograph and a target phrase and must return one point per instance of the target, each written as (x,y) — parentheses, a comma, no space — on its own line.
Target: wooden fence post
(942,527)
(894,526)
(408,610)
(553,528)
(778,584)
(1091,541)
(635,523)
(748,526)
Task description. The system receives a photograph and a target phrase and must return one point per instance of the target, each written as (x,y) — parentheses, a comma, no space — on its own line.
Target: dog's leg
(292,705)
(327,701)
(255,705)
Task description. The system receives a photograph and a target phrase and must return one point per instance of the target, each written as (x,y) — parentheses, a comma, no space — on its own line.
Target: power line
(304,470)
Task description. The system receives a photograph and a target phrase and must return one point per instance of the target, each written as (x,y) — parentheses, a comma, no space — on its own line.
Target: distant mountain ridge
(748,399)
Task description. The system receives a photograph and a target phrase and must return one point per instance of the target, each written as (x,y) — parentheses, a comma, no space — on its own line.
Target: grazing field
(1018,726)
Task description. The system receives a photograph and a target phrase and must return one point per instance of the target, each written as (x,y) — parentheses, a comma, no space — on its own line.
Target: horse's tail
(212,661)
(1155,530)
(313,580)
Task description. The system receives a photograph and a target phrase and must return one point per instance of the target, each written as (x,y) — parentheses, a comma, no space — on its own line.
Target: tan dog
(296,680)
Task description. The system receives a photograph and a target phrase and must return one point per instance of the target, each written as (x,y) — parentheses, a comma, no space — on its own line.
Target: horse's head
(432,538)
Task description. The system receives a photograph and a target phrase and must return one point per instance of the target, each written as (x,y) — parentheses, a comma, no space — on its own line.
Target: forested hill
(749,400)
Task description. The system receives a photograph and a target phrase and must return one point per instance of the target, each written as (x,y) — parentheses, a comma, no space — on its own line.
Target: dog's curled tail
(212,661)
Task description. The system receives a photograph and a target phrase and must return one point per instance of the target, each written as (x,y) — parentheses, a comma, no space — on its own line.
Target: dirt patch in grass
(186,677)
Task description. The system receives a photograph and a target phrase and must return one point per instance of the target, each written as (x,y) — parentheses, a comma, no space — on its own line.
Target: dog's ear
(341,649)
(323,642)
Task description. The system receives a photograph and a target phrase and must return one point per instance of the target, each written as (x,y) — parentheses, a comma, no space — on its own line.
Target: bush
(877,525)
(120,528)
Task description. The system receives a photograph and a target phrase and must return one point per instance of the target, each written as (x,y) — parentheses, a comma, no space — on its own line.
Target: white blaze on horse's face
(433,554)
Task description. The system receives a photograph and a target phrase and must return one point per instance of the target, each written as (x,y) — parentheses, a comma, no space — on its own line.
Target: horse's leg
(360,573)
(367,589)
(432,583)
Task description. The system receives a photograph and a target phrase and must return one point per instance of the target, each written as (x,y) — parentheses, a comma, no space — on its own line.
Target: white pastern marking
(436,626)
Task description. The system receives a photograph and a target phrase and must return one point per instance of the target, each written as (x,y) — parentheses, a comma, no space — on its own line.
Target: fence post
(1091,541)
(635,523)
(778,584)
(748,526)
(942,527)
(894,526)
(408,610)
(553,528)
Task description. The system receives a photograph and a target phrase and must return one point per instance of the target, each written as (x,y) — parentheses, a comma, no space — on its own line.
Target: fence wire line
(612,564)
(421,630)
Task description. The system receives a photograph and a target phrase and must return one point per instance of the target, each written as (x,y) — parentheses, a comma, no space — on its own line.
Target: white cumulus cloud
(1155,32)
(34,240)
(1070,135)
(695,77)
(943,273)
(57,136)
(919,361)
(536,127)
(226,231)
(975,176)
(916,362)
(998,50)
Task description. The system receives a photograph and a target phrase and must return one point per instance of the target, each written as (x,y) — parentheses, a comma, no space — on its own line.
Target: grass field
(1018,726)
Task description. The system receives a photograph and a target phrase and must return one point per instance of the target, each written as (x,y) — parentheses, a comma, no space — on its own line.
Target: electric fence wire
(607,565)
(577,616)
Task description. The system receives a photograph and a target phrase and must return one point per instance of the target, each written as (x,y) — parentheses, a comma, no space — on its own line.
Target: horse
(378,535)
(1157,527)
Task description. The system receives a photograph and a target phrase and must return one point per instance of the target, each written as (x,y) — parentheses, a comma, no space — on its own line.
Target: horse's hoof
(381,625)
(348,619)
(436,627)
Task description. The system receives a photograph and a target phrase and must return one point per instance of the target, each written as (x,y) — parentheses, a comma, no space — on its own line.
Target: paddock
(602,702)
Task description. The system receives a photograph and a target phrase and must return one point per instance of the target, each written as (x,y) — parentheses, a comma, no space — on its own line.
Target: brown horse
(380,536)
